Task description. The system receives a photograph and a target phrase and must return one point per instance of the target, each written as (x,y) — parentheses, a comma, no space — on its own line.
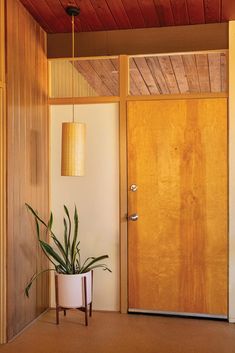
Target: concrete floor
(119,333)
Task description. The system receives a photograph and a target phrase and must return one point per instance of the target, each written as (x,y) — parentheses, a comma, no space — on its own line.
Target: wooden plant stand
(84,308)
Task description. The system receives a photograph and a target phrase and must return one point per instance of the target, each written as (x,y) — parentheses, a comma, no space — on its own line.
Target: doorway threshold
(177,314)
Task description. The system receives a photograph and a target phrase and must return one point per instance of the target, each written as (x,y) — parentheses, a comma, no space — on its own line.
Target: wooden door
(177,249)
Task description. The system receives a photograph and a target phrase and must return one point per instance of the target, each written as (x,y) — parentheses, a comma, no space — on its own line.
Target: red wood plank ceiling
(100,15)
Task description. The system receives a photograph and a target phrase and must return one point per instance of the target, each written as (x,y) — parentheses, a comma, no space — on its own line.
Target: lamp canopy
(73,10)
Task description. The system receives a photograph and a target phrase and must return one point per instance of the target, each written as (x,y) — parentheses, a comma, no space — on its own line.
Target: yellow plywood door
(177,249)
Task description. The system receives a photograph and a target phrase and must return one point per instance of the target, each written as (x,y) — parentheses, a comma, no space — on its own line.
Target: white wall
(96,194)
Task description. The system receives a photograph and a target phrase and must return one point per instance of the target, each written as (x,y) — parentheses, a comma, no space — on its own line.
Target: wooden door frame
(123,100)
(3,206)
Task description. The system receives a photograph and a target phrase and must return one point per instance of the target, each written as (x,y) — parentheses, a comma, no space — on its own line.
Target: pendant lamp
(73,133)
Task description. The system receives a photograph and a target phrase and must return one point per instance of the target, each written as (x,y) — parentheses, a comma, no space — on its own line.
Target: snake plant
(65,255)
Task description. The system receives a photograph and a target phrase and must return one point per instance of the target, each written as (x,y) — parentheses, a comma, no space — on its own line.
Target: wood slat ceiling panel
(137,78)
(101,75)
(159,74)
(165,13)
(191,72)
(155,68)
(215,74)
(196,12)
(134,13)
(98,15)
(105,15)
(179,74)
(149,79)
(224,72)
(169,75)
(119,13)
(203,68)
(212,10)
(149,13)
(180,12)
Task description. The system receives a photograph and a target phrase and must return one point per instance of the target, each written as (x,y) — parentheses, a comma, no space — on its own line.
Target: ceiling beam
(140,41)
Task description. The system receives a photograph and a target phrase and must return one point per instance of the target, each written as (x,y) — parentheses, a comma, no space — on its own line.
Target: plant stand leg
(56,299)
(57,315)
(90,311)
(86,306)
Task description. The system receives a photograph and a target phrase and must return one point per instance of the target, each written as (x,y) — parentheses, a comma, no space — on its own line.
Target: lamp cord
(73,55)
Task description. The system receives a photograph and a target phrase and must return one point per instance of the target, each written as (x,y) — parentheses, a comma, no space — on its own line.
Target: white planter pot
(71,290)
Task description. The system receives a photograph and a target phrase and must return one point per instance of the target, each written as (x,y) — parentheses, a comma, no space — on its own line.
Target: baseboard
(231,320)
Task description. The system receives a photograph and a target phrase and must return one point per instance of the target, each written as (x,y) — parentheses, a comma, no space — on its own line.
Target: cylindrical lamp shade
(73,149)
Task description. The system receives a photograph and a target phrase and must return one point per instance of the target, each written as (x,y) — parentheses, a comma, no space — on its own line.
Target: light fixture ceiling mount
(73,133)
(73,10)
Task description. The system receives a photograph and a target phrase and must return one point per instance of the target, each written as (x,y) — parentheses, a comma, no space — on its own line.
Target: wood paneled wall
(61,73)
(27,163)
(2,177)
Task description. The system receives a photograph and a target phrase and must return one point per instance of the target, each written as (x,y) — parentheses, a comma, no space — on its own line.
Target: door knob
(133,187)
(133,217)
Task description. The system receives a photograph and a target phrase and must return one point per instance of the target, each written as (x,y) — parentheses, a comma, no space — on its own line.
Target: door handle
(133,217)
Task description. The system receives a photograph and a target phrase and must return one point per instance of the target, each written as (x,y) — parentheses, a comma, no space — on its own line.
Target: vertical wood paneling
(2,177)
(2,40)
(61,73)
(2,217)
(27,163)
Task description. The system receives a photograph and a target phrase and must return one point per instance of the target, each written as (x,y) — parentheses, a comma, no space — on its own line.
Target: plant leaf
(69,228)
(105,267)
(35,214)
(49,226)
(75,237)
(49,250)
(61,249)
(94,260)
(33,278)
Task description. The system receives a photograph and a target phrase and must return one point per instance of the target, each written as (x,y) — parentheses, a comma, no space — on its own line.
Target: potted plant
(65,258)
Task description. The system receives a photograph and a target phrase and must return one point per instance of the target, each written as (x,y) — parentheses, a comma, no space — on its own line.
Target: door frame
(123,100)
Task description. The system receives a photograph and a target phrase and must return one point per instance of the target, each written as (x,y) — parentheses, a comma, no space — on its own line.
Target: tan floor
(117,333)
